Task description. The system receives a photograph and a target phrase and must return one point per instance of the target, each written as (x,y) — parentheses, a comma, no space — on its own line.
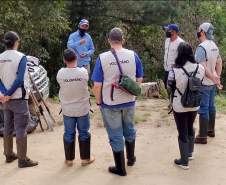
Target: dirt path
(155,151)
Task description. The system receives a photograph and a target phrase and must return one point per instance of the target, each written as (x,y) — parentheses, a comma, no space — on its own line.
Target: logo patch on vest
(4,61)
(122,62)
(72,80)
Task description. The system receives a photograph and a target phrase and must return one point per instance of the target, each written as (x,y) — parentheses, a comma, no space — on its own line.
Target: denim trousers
(207,101)
(81,123)
(119,124)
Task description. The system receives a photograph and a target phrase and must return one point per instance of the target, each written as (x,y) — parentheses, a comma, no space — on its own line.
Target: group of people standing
(117,106)
(180,63)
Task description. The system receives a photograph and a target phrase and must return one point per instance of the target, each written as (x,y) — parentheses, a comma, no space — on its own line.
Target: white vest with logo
(171,52)
(112,75)
(181,83)
(74,94)
(9,62)
(212,54)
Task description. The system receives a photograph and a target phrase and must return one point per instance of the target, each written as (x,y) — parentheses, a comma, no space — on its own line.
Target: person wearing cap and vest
(117,107)
(74,99)
(207,54)
(184,117)
(171,44)
(14,93)
(82,44)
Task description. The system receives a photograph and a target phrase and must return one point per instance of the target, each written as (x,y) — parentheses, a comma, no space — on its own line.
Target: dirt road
(156,149)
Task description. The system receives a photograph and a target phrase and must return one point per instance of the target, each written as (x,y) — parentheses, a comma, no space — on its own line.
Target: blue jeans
(82,123)
(119,124)
(207,101)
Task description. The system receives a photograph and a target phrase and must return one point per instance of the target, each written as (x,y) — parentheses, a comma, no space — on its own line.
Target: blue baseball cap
(83,22)
(174,27)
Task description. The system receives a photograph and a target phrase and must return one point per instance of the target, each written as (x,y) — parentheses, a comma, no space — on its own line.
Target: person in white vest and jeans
(184,117)
(171,44)
(74,99)
(14,93)
(207,54)
(117,107)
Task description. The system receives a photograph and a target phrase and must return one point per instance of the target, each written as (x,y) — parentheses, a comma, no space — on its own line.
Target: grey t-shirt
(74,94)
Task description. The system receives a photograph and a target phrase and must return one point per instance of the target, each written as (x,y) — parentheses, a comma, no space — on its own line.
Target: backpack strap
(176,84)
(196,70)
(117,60)
(185,71)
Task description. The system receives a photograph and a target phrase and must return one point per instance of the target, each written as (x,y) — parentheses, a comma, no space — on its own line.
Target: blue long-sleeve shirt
(87,47)
(18,81)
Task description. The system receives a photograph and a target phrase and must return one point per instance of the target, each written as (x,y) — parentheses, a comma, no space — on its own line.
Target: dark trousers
(184,122)
(165,78)
(16,115)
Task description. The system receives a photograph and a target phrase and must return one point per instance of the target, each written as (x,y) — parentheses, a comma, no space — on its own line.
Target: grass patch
(141,118)
(55,99)
(221,102)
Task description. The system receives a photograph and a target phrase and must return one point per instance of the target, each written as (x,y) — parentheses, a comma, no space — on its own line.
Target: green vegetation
(221,103)
(44,27)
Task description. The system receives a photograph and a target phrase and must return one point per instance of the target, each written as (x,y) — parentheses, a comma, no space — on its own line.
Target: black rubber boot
(119,168)
(183,161)
(211,128)
(69,150)
(203,128)
(84,148)
(8,149)
(130,147)
(23,160)
(191,141)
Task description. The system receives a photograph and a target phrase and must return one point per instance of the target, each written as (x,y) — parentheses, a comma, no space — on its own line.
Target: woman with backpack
(184,81)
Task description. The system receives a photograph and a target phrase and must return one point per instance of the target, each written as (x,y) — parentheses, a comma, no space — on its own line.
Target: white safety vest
(9,62)
(170,54)
(212,54)
(74,94)
(181,83)
(112,75)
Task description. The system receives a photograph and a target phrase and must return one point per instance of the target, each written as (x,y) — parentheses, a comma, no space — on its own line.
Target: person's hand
(1,99)
(7,98)
(82,41)
(84,54)
(4,99)
(216,79)
(220,86)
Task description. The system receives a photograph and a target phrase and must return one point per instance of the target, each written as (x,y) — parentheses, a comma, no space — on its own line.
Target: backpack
(191,97)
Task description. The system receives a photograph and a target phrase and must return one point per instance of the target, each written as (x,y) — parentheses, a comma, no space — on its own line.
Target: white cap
(208,29)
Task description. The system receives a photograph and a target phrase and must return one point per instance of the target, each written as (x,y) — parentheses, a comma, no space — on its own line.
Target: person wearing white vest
(184,117)
(207,54)
(117,106)
(74,99)
(14,93)
(171,44)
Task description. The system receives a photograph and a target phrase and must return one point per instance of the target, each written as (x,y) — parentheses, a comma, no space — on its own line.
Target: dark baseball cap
(174,27)
(116,34)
